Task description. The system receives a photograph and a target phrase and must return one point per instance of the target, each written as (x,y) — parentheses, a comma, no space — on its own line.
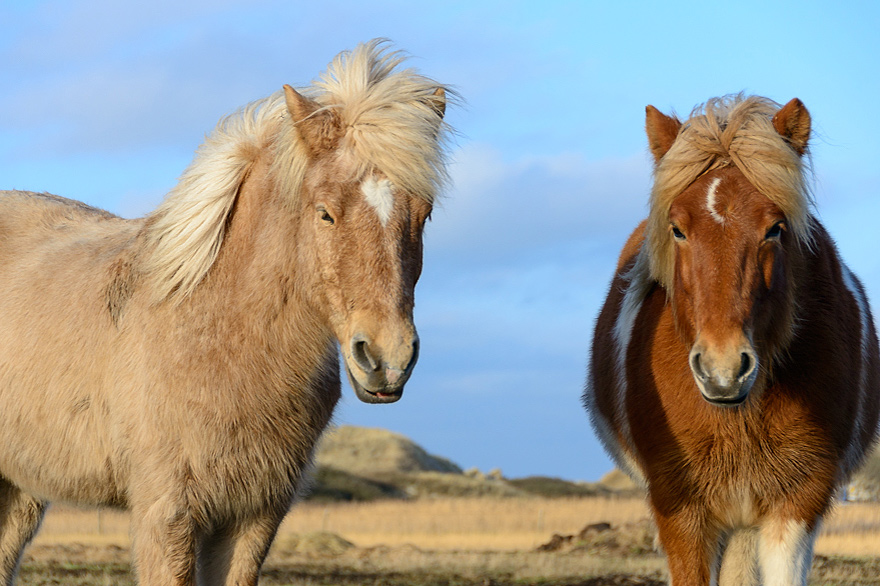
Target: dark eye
(678,234)
(775,232)
(325,215)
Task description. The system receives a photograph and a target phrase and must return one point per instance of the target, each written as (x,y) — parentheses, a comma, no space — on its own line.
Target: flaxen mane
(730,130)
(390,124)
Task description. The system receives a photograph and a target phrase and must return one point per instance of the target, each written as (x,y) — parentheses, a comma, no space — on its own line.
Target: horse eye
(325,215)
(774,232)
(678,234)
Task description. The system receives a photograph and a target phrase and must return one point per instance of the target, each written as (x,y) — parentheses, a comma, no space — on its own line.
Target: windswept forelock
(392,116)
(391,120)
(728,131)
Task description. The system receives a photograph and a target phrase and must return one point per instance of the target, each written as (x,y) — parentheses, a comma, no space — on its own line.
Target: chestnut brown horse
(734,368)
(183,365)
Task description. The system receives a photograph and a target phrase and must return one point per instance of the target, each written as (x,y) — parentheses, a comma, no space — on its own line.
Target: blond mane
(392,124)
(730,130)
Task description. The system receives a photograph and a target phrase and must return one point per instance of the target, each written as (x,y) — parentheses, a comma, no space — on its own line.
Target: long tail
(739,561)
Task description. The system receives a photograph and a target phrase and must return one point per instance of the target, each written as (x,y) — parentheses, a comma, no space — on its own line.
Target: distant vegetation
(555,487)
(335,485)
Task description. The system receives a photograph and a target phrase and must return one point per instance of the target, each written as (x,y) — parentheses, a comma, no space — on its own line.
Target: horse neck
(256,281)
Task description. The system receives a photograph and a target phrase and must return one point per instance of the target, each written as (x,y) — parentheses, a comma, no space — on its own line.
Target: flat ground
(449,542)
(408,566)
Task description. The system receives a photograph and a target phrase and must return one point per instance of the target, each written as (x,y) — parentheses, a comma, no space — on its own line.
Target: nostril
(745,367)
(415,354)
(697,367)
(360,351)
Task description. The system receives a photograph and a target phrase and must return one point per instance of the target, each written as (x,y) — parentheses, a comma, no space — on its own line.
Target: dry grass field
(466,541)
(522,524)
(462,523)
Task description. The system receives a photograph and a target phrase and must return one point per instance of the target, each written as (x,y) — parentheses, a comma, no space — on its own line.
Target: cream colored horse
(184,364)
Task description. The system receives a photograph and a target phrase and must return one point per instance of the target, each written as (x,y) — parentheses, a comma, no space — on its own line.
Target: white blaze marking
(380,196)
(710,200)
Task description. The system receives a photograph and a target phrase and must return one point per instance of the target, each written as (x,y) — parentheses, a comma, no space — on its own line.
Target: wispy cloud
(517,210)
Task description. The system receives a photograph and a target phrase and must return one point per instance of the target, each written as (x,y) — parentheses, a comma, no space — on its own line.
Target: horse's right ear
(661,130)
(320,130)
(299,107)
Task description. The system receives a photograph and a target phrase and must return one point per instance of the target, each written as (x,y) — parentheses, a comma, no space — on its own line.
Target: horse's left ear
(438,101)
(792,122)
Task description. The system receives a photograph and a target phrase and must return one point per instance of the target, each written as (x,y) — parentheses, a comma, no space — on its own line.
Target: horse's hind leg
(20,517)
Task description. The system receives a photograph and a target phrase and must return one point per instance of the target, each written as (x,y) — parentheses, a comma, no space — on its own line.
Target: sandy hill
(618,481)
(369,451)
(359,463)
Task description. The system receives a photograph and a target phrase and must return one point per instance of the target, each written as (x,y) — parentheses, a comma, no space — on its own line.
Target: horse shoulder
(628,289)
(607,342)
(632,246)
(836,342)
(605,396)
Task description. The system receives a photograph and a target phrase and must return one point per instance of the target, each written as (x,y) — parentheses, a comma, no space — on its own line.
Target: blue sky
(105,101)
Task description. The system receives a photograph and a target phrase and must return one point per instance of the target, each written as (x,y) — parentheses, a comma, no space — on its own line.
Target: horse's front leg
(691,547)
(20,517)
(233,555)
(164,539)
(785,551)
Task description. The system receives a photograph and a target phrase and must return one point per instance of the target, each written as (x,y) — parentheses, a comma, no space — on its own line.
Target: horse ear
(792,122)
(661,130)
(438,101)
(299,107)
(320,130)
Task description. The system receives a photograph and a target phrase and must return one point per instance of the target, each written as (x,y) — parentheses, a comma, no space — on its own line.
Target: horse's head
(365,252)
(731,250)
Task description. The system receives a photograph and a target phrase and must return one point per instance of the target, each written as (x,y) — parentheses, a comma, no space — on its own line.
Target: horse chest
(744,457)
(255,468)
(239,452)
(741,465)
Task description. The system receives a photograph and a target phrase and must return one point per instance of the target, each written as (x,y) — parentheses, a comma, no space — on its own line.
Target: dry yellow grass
(462,523)
(68,525)
(474,524)
(851,529)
